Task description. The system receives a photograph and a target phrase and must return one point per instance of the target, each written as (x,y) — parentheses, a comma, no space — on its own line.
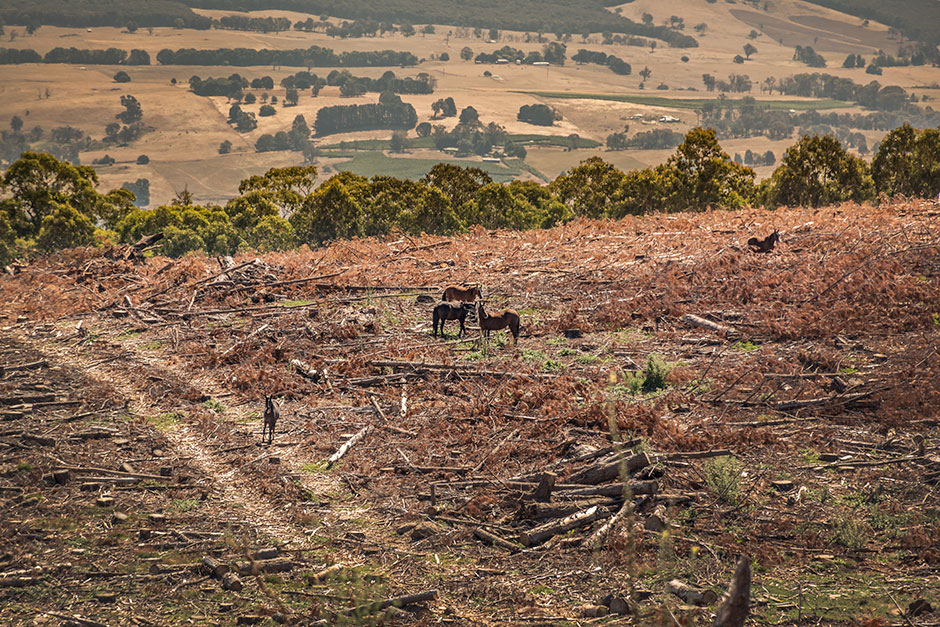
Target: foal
(455,293)
(506,318)
(764,245)
(271,414)
(451,311)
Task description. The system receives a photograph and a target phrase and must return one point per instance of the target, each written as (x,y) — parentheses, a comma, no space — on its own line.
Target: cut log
(696,321)
(378,606)
(608,471)
(734,609)
(614,490)
(495,540)
(230,581)
(265,554)
(692,596)
(276,565)
(544,532)
(215,567)
(596,539)
(539,511)
(348,445)
(304,370)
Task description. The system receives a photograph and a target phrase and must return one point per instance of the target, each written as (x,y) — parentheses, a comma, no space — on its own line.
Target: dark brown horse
(451,311)
(506,318)
(764,245)
(456,293)
(271,414)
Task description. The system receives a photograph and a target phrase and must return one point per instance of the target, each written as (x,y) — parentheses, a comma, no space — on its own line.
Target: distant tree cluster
(755,158)
(872,95)
(257,24)
(538,114)
(444,108)
(230,87)
(389,113)
(314,56)
(76,56)
(140,189)
(243,121)
(351,85)
(295,139)
(552,52)
(853,61)
(616,64)
(656,139)
(806,54)
(470,136)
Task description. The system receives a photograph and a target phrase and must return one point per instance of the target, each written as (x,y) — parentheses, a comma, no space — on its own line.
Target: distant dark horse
(455,293)
(506,318)
(271,414)
(451,311)
(764,245)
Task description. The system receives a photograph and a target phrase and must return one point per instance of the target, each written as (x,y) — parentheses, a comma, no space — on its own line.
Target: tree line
(548,16)
(314,56)
(76,56)
(256,24)
(117,13)
(51,204)
(616,64)
(389,113)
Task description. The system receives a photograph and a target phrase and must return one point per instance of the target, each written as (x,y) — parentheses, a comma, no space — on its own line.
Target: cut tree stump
(230,581)
(734,609)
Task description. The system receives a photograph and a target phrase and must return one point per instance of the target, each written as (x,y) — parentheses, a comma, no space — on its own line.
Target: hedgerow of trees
(616,64)
(76,56)
(389,113)
(50,204)
(314,56)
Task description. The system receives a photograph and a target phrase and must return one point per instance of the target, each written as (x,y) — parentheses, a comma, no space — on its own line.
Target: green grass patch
(553,140)
(692,103)
(185,505)
(296,303)
(587,358)
(723,478)
(151,346)
(746,346)
(166,420)
(214,405)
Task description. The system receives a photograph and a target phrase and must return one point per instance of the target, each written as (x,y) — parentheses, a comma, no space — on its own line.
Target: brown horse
(451,311)
(764,245)
(271,414)
(455,293)
(506,318)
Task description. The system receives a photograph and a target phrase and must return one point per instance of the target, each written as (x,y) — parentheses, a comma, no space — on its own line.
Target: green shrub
(723,479)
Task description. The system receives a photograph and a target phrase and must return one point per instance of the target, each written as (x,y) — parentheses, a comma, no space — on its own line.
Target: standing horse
(506,318)
(455,293)
(451,311)
(764,245)
(271,414)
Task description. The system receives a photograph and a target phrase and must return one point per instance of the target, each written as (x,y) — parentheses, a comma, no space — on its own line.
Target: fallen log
(692,596)
(596,539)
(544,532)
(495,540)
(539,511)
(609,470)
(348,445)
(696,321)
(378,606)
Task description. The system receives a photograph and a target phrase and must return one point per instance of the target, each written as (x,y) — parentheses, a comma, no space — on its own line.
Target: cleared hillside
(801,433)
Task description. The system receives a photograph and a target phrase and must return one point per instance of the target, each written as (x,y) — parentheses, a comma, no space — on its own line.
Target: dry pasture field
(781,406)
(188,129)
